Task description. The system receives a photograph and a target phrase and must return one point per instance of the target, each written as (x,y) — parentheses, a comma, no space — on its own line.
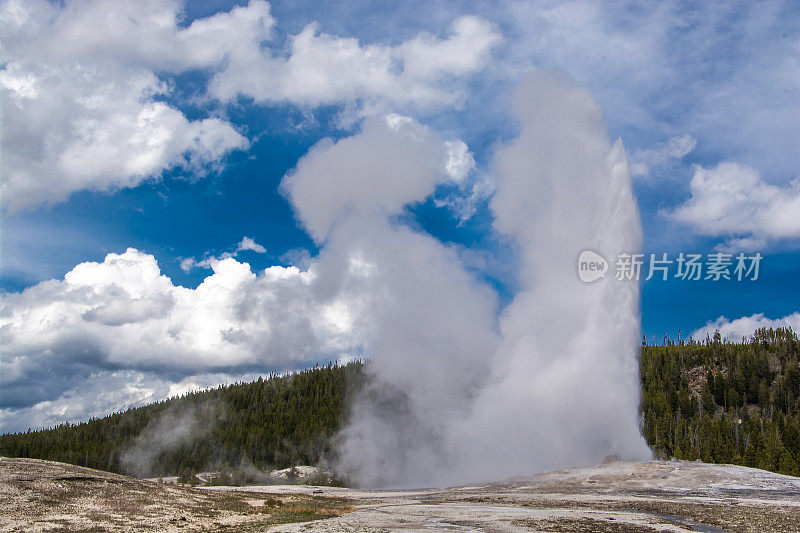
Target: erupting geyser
(564,385)
(460,392)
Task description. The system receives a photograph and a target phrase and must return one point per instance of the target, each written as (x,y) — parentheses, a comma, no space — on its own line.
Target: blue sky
(208,107)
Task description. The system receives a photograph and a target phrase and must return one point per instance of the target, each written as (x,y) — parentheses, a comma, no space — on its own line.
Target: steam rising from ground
(175,427)
(457,394)
(564,385)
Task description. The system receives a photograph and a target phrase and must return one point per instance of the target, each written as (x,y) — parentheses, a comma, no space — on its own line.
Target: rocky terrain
(38,495)
(614,497)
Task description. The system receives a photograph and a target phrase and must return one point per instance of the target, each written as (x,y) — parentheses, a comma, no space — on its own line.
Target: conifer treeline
(714,401)
(725,402)
(273,422)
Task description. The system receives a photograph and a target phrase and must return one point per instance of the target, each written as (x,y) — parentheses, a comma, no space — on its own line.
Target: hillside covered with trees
(273,422)
(725,403)
(712,400)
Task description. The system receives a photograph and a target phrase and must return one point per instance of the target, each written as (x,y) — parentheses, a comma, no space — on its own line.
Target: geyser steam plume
(459,393)
(564,386)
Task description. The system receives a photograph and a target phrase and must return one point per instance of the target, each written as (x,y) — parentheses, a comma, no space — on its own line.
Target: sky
(175,194)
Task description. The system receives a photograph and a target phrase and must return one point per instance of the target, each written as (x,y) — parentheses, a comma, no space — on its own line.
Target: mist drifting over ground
(458,393)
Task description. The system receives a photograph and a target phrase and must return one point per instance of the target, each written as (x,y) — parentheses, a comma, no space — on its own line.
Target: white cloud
(83,107)
(732,201)
(467,198)
(123,315)
(208,262)
(744,327)
(726,74)
(246,244)
(249,244)
(84,93)
(470,188)
(321,69)
(662,154)
(460,161)
(299,257)
(188,263)
(101,392)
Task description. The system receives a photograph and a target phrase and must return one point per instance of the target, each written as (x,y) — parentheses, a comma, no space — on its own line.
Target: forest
(720,402)
(274,422)
(714,401)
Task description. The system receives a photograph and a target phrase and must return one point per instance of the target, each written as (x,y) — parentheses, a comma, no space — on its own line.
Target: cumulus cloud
(734,202)
(83,107)
(363,294)
(325,69)
(101,392)
(123,315)
(85,86)
(744,327)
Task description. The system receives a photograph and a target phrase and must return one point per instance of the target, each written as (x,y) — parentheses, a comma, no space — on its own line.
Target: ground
(614,497)
(40,495)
